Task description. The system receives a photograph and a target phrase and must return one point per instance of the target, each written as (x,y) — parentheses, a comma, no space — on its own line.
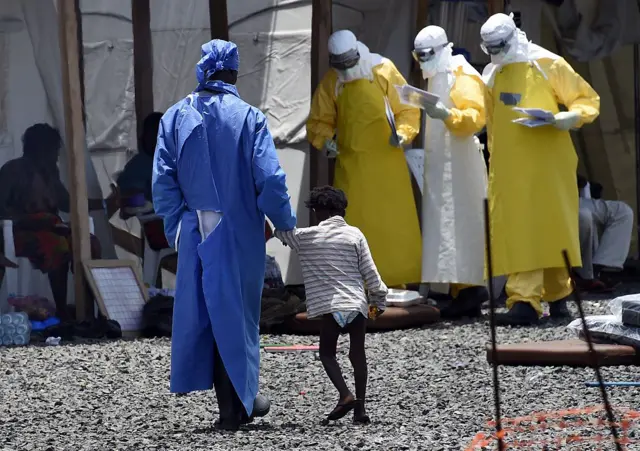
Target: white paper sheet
(535,117)
(536,113)
(416,97)
(415,160)
(531,122)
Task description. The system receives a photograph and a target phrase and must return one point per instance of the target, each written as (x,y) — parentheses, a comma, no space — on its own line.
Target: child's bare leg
(357,354)
(329,334)
(328,344)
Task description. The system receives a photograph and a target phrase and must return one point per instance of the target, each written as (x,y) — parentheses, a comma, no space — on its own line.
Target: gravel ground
(430,389)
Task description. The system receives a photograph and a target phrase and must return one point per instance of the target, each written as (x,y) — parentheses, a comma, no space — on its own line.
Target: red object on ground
(566,429)
(295,348)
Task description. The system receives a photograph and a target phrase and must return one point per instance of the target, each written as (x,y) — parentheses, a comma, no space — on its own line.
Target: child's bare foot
(359,414)
(345,405)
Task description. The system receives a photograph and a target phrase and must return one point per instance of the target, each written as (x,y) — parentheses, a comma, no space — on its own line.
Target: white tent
(31,86)
(274,38)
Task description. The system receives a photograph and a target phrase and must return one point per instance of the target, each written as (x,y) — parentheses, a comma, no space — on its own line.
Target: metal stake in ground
(592,354)
(492,322)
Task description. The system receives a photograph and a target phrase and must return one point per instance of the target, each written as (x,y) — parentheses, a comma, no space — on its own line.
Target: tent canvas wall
(274,38)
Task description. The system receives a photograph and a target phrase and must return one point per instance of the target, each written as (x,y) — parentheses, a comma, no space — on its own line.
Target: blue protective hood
(217,55)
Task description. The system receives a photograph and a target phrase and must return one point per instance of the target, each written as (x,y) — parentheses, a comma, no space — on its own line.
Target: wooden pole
(422,20)
(321,27)
(81,54)
(142,60)
(495,6)
(75,145)
(218,19)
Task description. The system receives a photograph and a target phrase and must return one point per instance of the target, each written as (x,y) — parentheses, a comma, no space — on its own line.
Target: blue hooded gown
(215,154)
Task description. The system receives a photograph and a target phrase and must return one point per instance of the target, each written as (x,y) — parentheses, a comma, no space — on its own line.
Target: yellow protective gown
(532,182)
(372,173)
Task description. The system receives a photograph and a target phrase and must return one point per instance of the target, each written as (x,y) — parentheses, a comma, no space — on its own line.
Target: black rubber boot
(229,405)
(521,314)
(261,407)
(468,304)
(559,309)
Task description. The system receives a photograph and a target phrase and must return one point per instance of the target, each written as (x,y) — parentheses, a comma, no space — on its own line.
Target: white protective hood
(526,52)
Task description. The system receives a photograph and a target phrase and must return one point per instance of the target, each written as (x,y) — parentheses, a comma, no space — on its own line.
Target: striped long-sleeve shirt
(337,267)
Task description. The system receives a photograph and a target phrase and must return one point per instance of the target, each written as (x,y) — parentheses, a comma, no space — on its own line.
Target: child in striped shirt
(337,266)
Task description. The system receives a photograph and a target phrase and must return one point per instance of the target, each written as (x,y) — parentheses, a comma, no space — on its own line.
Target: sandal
(342,409)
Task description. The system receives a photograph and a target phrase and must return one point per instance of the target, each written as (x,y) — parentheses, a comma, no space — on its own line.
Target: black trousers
(229,404)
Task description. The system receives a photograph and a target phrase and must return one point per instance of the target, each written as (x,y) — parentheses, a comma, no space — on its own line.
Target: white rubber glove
(566,120)
(332,148)
(438,111)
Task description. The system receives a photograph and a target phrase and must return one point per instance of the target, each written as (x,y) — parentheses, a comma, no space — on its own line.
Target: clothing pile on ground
(39,315)
(157,316)
(278,302)
(621,327)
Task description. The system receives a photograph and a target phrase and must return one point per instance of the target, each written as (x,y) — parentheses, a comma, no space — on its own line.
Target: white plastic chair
(25,280)
(151,259)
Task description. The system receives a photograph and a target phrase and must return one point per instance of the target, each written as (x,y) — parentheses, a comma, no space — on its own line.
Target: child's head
(327,201)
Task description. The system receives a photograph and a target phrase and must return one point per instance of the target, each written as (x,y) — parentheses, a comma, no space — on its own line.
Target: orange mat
(574,353)
(393,318)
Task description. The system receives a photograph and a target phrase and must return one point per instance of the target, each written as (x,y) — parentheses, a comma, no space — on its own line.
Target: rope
(492,322)
(594,356)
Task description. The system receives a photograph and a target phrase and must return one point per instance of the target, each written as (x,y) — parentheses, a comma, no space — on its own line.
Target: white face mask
(349,74)
(429,68)
(439,63)
(508,56)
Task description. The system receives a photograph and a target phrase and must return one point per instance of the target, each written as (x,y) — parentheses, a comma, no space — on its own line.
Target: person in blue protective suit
(216,174)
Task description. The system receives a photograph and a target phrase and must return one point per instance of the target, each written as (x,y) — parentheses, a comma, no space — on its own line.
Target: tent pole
(636,106)
(218,19)
(81,54)
(142,60)
(321,26)
(495,6)
(75,144)
(422,20)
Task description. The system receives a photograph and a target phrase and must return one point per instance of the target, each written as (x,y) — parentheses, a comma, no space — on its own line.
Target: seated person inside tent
(134,183)
(605,237)
(32,195)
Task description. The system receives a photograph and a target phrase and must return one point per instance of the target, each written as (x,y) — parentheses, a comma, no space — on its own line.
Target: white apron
(455,185)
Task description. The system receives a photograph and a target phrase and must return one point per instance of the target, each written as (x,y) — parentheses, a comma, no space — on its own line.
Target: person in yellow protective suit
(350,103)
(532,195)
(455,177)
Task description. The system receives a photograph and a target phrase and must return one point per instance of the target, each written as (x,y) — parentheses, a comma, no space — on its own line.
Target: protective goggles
(426,54)
(345,60)
(495,48)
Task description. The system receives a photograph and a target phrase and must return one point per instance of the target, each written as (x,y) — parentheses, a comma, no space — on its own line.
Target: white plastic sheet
(627,309)
(621,326)
(607,329)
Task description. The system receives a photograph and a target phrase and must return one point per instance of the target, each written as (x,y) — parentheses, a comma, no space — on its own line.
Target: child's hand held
(374,312)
